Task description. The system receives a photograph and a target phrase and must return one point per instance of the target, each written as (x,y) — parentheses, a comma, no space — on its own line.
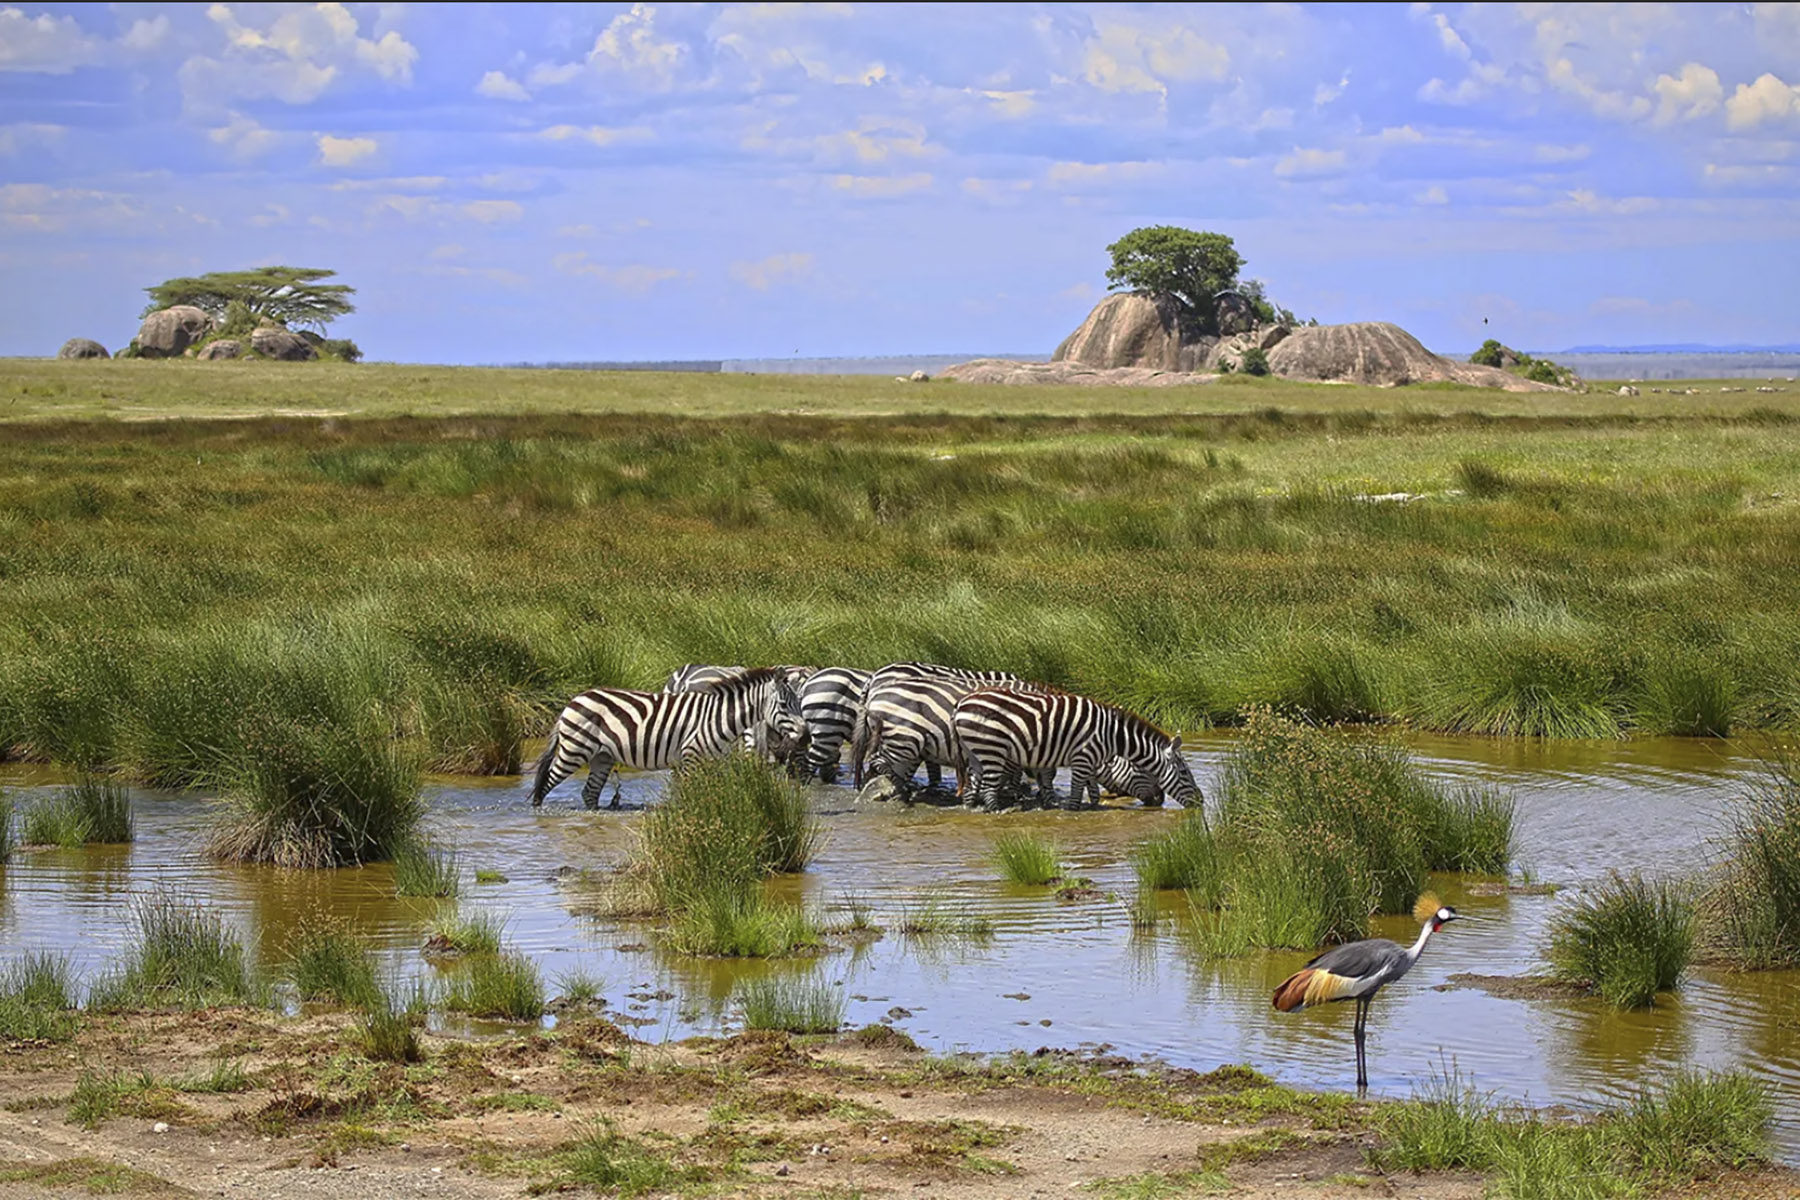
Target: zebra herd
(996,730)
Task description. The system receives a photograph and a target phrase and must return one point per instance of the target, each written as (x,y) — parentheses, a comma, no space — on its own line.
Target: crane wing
(1341,973)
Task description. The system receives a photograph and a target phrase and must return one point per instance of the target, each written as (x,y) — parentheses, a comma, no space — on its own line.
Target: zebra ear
(1175,742)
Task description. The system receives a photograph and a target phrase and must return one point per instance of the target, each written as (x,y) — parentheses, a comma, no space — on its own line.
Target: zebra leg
(934,776)
(598,770)
(1046,786)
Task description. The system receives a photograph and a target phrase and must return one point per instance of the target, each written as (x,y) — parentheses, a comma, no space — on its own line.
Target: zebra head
(788,734)
(1174,775)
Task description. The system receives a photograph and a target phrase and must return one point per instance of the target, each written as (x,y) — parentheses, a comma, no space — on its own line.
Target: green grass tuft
(1183,857)
(505,986)
(388,1029)
(462,932)
(1027,858)
(327,962)
(37,999)
(95,810)
(183,957)
(730,924)
(794,1005)
(1628,939)
(933,916)
(425,870)
(1753,911)
(606,1160)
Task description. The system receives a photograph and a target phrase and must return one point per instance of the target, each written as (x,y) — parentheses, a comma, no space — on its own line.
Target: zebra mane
(1134,721)
(746,680)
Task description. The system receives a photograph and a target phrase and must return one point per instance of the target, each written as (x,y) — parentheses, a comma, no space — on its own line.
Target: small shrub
(1255,361)
(505,986)
(342,349)
(37,999)
(1627,940)
(1027,858)
(793,1005)
(425,870)
(183,958)
(329,963)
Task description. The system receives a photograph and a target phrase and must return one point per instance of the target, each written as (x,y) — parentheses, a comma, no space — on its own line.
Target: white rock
(160,1127)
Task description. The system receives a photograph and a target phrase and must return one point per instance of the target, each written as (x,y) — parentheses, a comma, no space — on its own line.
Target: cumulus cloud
(1130,58)
(1546,152)
(1325,93)
(629,48)
(633,277)
(492,212)
(1768,99)
(1434,194)
(25,135)
(1012,105)
(777,268)
(345,152)
(243,137)
(1693,93)
(145,35)
(295,59)
(1309,163)
(1080,174)
(880,186)
(496,85)
(45,44)
(878,139)
(598,135)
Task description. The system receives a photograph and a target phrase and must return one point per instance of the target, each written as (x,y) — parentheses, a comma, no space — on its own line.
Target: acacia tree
(1188,266)
(288,295)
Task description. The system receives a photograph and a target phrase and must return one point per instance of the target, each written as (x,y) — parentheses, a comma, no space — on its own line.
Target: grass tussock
(934,915)
(803,1005)
(1626,940)
(96,809)
(388,1029)
(1318,830)
(466,932)
(37,999)
(182,957)
(421,869)
(1027,858)
(1689,1126)
(606,1160)
(504,986)
(328,963)
(1753,909)
(746,924)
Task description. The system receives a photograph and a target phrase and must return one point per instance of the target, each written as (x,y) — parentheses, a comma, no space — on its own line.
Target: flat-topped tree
(288,295)
(1191,267)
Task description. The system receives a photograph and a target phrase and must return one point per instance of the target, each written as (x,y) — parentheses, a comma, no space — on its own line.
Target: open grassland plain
(277,606)
(235,1099)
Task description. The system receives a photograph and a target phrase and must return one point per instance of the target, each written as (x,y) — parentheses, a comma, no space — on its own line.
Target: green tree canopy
(290,295)
(1191,267)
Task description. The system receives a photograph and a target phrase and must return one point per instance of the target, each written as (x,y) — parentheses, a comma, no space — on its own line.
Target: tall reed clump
(183,957)
(95,810)
(1627,940)
(389,1026)
(37,999)
(1027,858)
(1689,1125)
(1318,830)
(726,825)
(1753,908)
(792,1005)
(421,869)
(328,963)
(323,794)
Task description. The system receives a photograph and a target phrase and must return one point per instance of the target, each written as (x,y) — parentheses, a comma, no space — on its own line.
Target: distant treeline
(703,366)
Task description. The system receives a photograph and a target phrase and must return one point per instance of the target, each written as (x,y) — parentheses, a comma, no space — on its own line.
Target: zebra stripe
(653,731)
(689,676)
(906,717)
(1006,730)
(782,743)
(830,703)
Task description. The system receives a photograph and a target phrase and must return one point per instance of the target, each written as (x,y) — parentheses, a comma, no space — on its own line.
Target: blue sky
(613,181)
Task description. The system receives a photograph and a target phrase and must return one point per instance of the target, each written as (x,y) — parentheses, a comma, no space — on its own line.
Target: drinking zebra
(652,731)
(688,676)
(1007,730)
(763,740)
(830,703)
(906,718)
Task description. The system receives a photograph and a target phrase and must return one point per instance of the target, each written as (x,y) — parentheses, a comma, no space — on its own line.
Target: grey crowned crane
(1357,970)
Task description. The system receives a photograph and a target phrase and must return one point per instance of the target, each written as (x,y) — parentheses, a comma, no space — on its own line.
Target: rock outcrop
(223,348)
(1378,354)
(1134,329)
(275,342)
(1008,371)
(82,348)
(1228,355)
(168,332)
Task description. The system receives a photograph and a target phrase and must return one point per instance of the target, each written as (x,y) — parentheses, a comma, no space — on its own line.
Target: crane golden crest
(1426,906)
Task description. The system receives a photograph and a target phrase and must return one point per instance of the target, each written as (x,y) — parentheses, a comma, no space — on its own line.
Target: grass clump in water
(1627,940)
(1318,830)
(792,1005)
(389,1026)
(95,810)
(740,924)
(183,958)
(421,869)
(469,933)
(1753,910)
(6,827)
(1027,858)
(321,794)
(932,915)
(329,963)
(727,823)
(505,986)
(37,999)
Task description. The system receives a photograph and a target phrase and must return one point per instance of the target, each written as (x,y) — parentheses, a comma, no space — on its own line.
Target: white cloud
(1325,93)
(1588,200)
(24,134)
(881,186)
(1481,80)
(40,208)
(1693,93)
(496,85)
(1548,153)
(45,44)
(553,74)
(404,183)
(1768,99)
(1750,174)
(243,137)
(1078,174)
(998,191)
(1305,164)
(299,55)
(271,214)
(599,135)
(628,46)
(493,212)
(877,140)
(1399,135)
(1013,105)
(1434,194)
(1449,39)
(634,277)
(1128,58)
(777,268)
(145,35)
(345,152)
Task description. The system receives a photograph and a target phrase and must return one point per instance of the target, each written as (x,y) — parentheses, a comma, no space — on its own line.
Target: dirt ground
(243,1104)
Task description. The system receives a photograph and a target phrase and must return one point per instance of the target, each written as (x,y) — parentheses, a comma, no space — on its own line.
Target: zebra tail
(541,783)
(859,746)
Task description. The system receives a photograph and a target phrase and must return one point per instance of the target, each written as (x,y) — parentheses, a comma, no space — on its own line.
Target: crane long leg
(1362,1060)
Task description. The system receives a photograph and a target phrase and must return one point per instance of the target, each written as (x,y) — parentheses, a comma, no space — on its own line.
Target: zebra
(906,715)
(1006,730)
(763,740)
(657,730)
(831,702)
(690,675)
(1116,775)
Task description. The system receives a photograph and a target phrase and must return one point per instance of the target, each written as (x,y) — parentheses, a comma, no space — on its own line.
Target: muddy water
(1053,974)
